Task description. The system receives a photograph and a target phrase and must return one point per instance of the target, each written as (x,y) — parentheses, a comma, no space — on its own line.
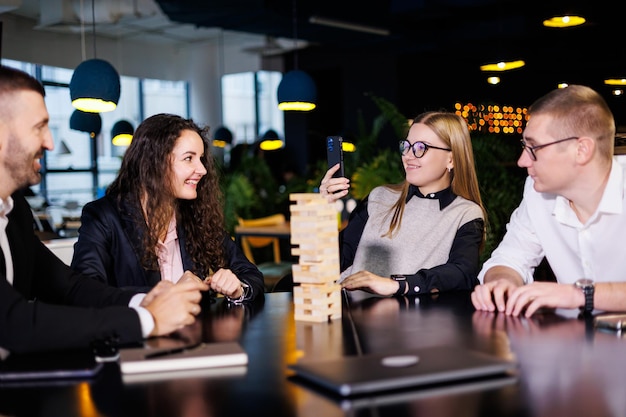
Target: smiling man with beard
(44,305)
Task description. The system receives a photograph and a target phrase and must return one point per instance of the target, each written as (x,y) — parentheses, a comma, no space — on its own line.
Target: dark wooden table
(566,368)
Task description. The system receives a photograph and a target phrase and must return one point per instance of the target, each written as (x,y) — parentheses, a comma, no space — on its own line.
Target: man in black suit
(44,305)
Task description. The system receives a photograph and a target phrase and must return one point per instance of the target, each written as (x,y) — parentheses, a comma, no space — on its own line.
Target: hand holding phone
(334,154)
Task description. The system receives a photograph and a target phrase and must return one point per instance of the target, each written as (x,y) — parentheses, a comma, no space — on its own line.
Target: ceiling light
(493,80)
(222,137)
(86,122)
(618,92)
(270,141)
(348,146)
(615,81)
(503,66)
(562,85)
(122,133)
(564,21)
(296,91)
(95,84)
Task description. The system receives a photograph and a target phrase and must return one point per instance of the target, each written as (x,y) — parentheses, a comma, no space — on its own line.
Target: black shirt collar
(445,196)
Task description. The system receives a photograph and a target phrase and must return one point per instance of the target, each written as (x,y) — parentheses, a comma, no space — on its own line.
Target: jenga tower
(315,240)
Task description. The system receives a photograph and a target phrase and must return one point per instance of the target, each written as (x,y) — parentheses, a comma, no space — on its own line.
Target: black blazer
(51,307)
(109,249)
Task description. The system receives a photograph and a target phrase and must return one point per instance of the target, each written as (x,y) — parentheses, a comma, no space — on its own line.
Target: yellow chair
(272,271)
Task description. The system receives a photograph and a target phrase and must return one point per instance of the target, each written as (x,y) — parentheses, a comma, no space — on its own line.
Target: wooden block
(320,290)
(304,197)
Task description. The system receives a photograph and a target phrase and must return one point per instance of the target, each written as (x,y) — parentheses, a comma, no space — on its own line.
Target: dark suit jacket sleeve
(108,248)
(245,270)
(51,307)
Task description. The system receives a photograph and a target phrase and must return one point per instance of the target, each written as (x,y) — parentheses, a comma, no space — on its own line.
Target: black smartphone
(334,154)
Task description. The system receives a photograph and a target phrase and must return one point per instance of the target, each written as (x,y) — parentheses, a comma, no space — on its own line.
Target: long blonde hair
(454,132)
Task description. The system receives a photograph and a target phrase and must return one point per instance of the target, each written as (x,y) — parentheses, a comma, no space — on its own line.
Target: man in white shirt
(45,305)
(572,213)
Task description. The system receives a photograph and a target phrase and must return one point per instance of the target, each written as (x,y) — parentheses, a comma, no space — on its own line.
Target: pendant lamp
(122,133)
(222,137)
(296,91)
(95,84)
(270,141)
(86,122)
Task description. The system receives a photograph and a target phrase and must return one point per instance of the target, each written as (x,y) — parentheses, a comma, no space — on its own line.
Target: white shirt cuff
(145,318)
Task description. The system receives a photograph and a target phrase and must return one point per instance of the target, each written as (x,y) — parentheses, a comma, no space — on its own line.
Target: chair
(274,270)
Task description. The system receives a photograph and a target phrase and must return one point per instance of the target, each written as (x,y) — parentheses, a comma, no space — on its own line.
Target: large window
(80,168)
(250,106)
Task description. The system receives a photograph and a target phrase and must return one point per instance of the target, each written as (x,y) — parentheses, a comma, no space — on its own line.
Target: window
(250,106)
(79,168)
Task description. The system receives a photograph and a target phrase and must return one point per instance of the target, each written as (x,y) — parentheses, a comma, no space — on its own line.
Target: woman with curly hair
(162,216)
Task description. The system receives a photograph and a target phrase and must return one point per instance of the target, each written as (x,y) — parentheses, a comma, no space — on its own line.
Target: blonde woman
(425,233)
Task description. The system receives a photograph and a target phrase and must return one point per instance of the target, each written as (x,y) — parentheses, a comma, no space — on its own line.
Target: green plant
(501,183)
(385,168)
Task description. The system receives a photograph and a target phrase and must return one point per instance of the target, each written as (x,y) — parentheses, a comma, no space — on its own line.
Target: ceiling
(427,38)
(472,30)
(478,29)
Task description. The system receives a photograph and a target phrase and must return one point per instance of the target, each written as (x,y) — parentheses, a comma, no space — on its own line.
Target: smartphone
(615,322)
(334,154)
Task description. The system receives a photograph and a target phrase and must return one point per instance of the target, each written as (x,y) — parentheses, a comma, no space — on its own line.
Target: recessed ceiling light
(503,66)
(564,21)
(493,80)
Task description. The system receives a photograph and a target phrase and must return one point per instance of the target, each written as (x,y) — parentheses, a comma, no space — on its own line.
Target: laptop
(372,373)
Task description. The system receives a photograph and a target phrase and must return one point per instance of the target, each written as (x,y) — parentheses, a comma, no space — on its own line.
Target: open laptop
(366,374)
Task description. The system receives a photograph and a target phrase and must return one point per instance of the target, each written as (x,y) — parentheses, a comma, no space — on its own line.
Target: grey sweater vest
(422,241)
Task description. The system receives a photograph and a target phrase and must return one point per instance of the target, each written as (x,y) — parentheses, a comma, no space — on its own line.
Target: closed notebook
(372,373)
(204,355)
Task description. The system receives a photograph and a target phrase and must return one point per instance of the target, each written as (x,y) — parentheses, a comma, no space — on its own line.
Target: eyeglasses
(531,149)
(418,148)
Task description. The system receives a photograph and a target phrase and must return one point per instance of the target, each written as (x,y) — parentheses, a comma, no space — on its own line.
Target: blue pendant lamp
(95,84)
(122,133)
(296,91)
(86,122)
(270,141)
(222,137)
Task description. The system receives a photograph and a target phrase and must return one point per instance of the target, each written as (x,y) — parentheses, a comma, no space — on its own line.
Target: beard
(20,163)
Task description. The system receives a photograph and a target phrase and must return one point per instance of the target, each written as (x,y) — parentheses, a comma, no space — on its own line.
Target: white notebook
(204,355)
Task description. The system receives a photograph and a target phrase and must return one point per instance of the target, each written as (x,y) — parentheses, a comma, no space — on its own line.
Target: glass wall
(79,167)
(250,105)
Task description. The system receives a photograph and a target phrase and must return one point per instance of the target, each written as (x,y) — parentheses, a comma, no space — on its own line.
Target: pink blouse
(170,258)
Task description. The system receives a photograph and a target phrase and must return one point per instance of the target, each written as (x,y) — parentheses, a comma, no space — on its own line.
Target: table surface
(566,368)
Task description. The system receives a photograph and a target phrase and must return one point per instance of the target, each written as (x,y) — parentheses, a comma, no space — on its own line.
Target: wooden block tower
(315,240)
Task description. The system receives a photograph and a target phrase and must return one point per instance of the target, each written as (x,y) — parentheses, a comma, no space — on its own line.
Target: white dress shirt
(545,225)
(5,209)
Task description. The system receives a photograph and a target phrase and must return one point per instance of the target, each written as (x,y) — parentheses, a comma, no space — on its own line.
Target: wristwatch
(587,287)
(245,293)
(401,279)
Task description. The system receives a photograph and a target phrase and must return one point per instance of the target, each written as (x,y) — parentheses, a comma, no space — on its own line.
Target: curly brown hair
(143,183)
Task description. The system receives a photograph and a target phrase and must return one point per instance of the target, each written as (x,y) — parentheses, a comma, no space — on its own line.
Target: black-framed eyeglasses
(531,149)
(419,148)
